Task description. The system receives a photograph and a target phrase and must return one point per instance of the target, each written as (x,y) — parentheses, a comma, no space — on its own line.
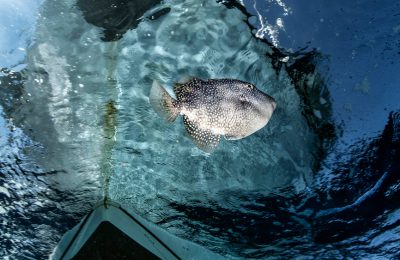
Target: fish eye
(249,86)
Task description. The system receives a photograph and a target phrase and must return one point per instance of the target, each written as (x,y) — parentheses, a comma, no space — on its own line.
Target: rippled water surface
(320,180)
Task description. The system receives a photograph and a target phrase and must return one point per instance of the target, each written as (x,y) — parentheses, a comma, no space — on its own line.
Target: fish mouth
(271,100)
(273,103)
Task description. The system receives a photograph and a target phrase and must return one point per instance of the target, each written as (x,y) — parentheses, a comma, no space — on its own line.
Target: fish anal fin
(204,139)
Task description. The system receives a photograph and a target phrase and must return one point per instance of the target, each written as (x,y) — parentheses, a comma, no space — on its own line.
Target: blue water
(321,180)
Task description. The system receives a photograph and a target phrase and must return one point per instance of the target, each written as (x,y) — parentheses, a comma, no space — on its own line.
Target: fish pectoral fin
(204,139)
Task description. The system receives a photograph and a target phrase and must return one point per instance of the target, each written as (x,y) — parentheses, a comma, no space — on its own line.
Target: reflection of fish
(228,107)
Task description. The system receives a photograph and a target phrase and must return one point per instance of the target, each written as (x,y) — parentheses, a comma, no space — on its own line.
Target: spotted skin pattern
(215,107)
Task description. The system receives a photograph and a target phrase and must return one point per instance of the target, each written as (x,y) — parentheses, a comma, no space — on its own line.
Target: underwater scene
(320,180)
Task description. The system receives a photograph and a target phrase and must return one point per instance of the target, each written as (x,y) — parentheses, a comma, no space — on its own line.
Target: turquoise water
(76,125)
(155,159)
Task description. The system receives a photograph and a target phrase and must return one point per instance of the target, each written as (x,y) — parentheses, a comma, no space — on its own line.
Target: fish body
(214,108)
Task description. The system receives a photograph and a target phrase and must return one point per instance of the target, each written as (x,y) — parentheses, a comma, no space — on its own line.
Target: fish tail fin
(163,103)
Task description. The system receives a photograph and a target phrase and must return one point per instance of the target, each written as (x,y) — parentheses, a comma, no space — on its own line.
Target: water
(320,180)
(361,41)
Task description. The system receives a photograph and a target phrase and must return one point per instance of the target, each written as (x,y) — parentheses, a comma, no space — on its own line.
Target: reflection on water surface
(76,124)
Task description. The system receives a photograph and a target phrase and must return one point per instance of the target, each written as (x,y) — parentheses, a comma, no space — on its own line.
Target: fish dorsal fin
(185,86)
(179,90)
(187,79)
(204,139)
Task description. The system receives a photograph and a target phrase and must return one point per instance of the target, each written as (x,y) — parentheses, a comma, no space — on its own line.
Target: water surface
(320,180)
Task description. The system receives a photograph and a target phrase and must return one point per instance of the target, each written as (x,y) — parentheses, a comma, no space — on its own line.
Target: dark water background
(321,180)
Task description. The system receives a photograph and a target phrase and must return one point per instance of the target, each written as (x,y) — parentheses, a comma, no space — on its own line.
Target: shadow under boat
(116,17)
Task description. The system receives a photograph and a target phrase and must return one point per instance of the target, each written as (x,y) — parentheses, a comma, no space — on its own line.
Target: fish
(214,108)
